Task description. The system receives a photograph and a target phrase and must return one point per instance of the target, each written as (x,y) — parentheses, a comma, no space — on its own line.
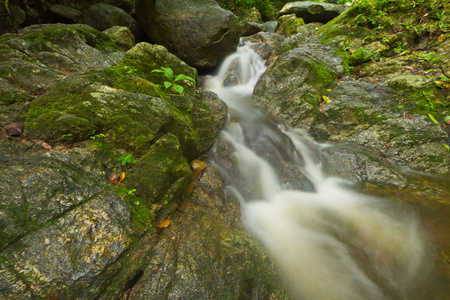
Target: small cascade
(328,241)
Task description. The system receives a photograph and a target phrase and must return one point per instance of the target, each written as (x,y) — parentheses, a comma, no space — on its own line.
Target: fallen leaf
(441,38)
(13,129)
(433,119)
(326,99)
(162,224)
(114,179)
(122,177)
(198,165)
(43,144)
(410,68)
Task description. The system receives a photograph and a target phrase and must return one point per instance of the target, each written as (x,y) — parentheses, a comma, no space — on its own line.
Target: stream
(328,240)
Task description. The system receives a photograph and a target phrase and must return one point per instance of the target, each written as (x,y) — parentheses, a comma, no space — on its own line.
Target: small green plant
(66,135)
(126,70)
(168,73)
(131,193)
(125,159)
(97,136)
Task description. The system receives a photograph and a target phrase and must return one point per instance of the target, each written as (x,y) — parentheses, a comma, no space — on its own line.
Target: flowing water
(328,240)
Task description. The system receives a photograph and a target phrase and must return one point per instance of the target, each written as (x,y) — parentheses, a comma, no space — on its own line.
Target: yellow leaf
(198,165)
(433,119)
(326,99)
(122,177)
(441,38)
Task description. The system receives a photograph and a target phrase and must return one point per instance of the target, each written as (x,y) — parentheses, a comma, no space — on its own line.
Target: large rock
(313,11)
(198,32)
(103,16)
(69,228)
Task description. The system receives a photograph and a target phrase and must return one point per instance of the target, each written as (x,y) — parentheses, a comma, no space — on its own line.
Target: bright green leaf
(182,76)
(446,147)
(447,119)
(167,84)
(169,72)
(178,88)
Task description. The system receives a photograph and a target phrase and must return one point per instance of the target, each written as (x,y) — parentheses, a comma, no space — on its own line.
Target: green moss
(141,215)
(161,171)
(284,48)
(135,84)
(22,217)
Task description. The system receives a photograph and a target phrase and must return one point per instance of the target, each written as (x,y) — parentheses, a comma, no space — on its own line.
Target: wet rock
(201,34)
(203,239)
(360,164)
(103,16)
(313,11)
(290,88)
(368,114)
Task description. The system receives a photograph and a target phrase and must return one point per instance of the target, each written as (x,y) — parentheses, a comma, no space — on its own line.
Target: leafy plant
(97,136)
(125,159)
(171,83)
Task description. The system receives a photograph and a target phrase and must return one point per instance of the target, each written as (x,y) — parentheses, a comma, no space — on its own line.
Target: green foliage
(97,136)
(125,159)
(239,7)
(168,73)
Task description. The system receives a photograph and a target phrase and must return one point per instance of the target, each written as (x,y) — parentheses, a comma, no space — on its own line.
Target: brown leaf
(162,224)
(198,165)
(114,179)
(43,144)
(13,129)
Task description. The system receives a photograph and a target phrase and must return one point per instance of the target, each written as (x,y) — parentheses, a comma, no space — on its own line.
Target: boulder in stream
(103,155)
(313,11)
(198,32)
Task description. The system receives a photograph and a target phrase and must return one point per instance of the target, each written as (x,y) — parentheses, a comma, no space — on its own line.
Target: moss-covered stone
(289,25)
(142,59)
(162,173)
(130,121)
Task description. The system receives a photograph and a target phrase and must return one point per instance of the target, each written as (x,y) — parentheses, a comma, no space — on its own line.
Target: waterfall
(328,241)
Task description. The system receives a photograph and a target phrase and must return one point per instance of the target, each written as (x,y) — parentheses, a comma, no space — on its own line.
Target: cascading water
(328,241)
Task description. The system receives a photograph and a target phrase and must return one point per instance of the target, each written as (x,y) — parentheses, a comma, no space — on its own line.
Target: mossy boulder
(292,86)
(289,25)
(127,104)
(162,173)
(130,121)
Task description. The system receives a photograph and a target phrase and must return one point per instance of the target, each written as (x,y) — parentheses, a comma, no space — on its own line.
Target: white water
(329,243)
